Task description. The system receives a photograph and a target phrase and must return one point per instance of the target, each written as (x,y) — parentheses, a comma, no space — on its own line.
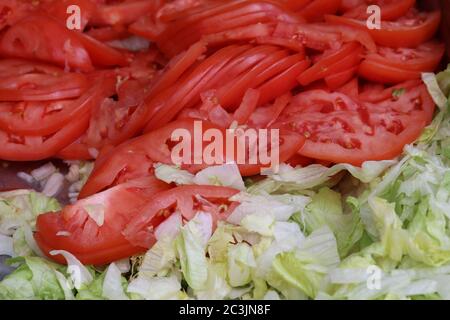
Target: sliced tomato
(42,38)
(58,9)
(45,118)
(341,130)
(263,117)
(218,71)
(245,33)
(331,62)
(100,241)
(283,83)
(33,148)
(12,11)
(187,200)
(337,80)
(378,72)
(76,151)
(391,65)
(27,81)
(378,92)
(350,89)
(135,158)
(390,9)
(347,5)
(102,54)
(291,44)
(248,105)
(308,35)
(124,13)
(111,119)
(348,34)
(108,33)
(295,5)
(189,27)
(409,31)
(298,160)
(316,10)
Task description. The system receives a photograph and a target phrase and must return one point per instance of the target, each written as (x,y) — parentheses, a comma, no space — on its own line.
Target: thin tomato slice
(339,79)
(341,130)
(187,200)
(409,31)
(97,239)
(316,10)
(123,13)
(377,92)
(27,81)
(343,59)
(42,38)
(136,158)
(391,65)
(390,9)
(45,118)
(12,11)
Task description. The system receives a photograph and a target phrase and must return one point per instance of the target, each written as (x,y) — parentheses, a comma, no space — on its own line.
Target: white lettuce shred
(18,212)
(226,175)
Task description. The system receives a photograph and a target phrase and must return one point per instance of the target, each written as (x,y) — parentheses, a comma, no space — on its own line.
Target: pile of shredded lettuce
(381,231)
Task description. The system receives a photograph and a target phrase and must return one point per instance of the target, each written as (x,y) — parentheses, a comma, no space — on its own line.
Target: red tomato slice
(291,44)
(343,59)
(105,34)
(178,65)
(295,5)
(57,9)
(247,107)
(337,80)
(348,34)
(45,118)
(318,8)
(135,158)
(308,35)
(42,38)
(408,31)
(347,5)
(187,200)
(351,89)
(298,160)
(378,72)
(135,119)
(25,81)
(205,76)
(376,92)
(124,13)
(76,151)
(340,130)
(74,230)
(390,9)
(245,33)
(391,65)
(33,148)
(102,54)
(283,83)
(12,11)
(111,118)
(189,27)
(265,116)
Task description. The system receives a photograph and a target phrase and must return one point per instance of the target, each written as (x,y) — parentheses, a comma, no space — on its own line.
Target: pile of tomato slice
(116,88)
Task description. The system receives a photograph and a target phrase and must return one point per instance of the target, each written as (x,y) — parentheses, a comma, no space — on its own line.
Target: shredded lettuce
(34,278)
(18,212)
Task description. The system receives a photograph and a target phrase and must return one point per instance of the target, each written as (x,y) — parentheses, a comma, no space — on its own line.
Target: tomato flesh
(342,130)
